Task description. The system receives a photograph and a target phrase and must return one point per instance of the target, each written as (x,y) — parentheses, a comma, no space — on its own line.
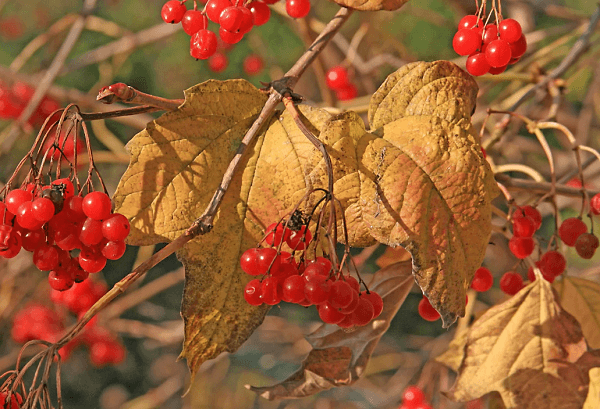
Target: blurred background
(126,41)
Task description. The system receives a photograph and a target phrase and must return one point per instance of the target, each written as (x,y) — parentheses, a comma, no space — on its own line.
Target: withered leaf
(581,298)
(339,357)
(453,357)
(371,5)
(419,181)
(527,349)
(593,398)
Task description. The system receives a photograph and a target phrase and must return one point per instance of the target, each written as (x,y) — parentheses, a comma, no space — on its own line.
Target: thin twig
(540,187)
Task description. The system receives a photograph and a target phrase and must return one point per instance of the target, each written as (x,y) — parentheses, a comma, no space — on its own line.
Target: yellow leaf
(371,5)
(419,181)
(521,348)
(340,357)
(581,298)
(593,398)
(454,356)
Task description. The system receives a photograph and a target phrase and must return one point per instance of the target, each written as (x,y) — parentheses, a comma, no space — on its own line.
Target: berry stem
(131,95)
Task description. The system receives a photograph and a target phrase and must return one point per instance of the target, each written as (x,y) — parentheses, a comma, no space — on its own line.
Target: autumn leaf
(340,357)
(528,349)
(419,181)
(455,354)
(581,298)
(593,398)
(371,5)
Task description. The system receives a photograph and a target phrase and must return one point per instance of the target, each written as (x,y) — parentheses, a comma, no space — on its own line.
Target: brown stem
(540,187)
(127,94)
(92,116)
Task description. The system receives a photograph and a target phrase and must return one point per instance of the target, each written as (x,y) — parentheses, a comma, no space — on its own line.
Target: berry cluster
(235,19)
(14,402)
(338,297)
(483,280)
(70,236)
(414,398)
(573,232)
(490,47)
(526,221)
(14,99)
(337,79)
(37,321)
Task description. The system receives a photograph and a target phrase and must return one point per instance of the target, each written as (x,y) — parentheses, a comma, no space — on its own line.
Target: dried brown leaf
(340,357)
(454,356)
(528,349)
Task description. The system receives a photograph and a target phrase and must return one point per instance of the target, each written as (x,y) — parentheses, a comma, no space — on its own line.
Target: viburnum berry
(25,217)
(193,21)
(497,70)
(477,64)
(413,396)
(45,257)
(293,289)
(595,204)
(214,8)
(253,64)
(91,232)
(16,198)
(218,62)
(65,186)
(364,312)
(470,21)
(524,227)
(337,77)
(330,314)
(552,263)
(483,280)
(96,205)
(518,48)
(490,33)
(91,262)
(260,11)
(298,240)
(586,245)
(375,300)
(113,250)
(466,41)
(173,11)
(270,291)
(247,20)
(498,53)
(521,247)
(60,280)
(231,18)
(15,400)
(511,283)
(317,289)
(347,93)
(340,294)
(528,211)
(230,37)
(203,44)
(32,239)
(570,230)
(252,292)
(297,8)
(116,227)
(426,310)
(510,30)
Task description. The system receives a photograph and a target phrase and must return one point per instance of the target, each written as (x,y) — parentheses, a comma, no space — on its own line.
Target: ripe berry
(43,209)
(570,230)
(114,250)
(214,8)
(65,186)
(483,280)
(293,289)
(260,11)
(253,64)
(91,262)
(490,33)
(518,48)
(116,227)
(317,289)
(91,232)
(477,64)
(510,30)
(231,18)
(247,20)
(60,280)
(96,205)
(466,41)
(376,300)
(364,312)
(270,291)
(15,400)
(297,8)
(347,93)
(498,53)
(340,294)
(193,21)
(497,70)
(413,395)
(353,304)
(330,314)
(45,257)
(595,204)
(586,245)
(524,227)
(252,292)
(25,217)
(426,310)
(530,212)
(470,21)
(173,11)
(337,77)
(218,62)
(230,37)
(33,239)
(203,44)
(511,283)
(16,198)
(553,263)
(521,247)
(298,240)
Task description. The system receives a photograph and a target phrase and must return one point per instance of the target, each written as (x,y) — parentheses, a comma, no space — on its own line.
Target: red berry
(529,212)
(96,205)
(490,33)
(426,310)
(497,70)
(231,18)
(247,20)
(252,292)
(337,77)
(317,289)
(498,53)
(329,314)
(193,21)
(60,280)
(297,8)
(298,240)
(524,227)
(340,294)
(270,291)
(477,64)
(413,395)
(521,247)
(65,186)
(518,48)
(25,217)
(218,62)
(353,304)
(253,64)
(43,209)
(173,11)
(214,8)
(483,280)
(45,257)
(553,263)
(230,37)
(203,44)
(114,250)
(347,93)
(470,21)
(376,300)
(595,204)
(116,227)
(570,230)
(91,262)
(466,42)
(15,400)
(511,283)
(13,245)
(33,239)
(364,312)
(91,232)
(260,11)
(249,262)
(293,289)
(586,245)
(510,30)
(16,198)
